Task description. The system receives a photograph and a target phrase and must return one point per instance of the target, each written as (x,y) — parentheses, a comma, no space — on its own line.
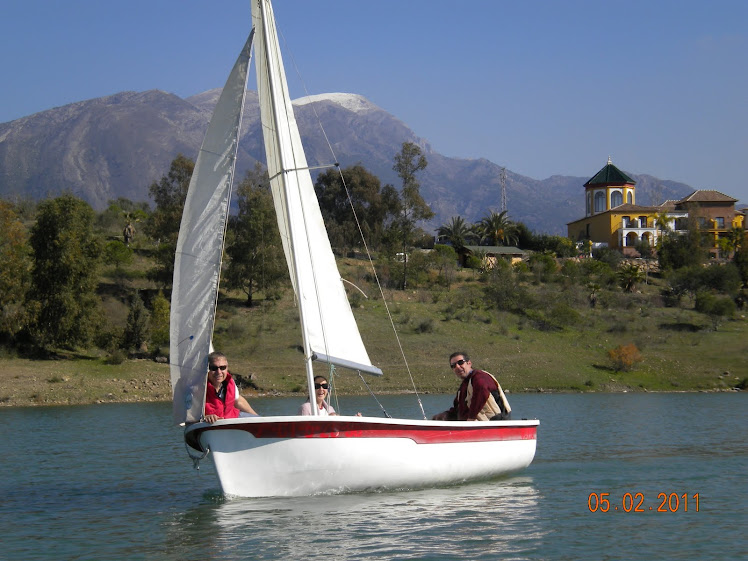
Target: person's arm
(243,405)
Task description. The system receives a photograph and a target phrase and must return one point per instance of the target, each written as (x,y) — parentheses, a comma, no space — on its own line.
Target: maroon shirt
(483,385)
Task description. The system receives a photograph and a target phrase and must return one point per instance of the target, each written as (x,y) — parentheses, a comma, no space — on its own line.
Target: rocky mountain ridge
(116,146)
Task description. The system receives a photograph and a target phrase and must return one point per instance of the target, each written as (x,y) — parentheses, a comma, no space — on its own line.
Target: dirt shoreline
(30,383)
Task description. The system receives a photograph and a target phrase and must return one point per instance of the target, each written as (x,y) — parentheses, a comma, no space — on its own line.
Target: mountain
(116,146)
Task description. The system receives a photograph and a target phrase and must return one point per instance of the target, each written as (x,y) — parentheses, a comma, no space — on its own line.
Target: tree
(629,275)
(444,259)
(65,272)
(361,193)
(159,323)
(169,195)
(496,229)
(678,250)
(136,332)
(413,208)
(740,259)
(117,253)
(457,232)
(15,272)
(255,252)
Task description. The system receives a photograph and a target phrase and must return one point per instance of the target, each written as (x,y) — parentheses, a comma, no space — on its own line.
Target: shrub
(624,357)
(425,326)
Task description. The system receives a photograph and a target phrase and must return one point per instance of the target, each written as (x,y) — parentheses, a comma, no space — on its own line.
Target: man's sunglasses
(214,367)
(323,386)
(457,363)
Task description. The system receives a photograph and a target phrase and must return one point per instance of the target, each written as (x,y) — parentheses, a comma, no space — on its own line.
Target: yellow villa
(613,219)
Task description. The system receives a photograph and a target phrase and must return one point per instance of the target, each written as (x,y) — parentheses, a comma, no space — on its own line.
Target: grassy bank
(680,349)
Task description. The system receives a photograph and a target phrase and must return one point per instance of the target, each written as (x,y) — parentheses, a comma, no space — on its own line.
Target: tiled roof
(631,208)
(707,196)
(496,249)
(610,175)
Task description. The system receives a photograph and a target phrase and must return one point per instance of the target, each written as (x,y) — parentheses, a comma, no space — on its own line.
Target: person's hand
(211,418)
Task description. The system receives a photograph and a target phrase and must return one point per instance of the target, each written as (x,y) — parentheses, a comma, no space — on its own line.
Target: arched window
(589,203)
(630,198)
(616,199)
(599,201)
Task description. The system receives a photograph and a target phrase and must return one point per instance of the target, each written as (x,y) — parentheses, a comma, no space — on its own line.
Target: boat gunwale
(341,427)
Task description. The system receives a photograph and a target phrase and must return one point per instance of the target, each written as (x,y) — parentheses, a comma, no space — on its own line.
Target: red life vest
(215,406)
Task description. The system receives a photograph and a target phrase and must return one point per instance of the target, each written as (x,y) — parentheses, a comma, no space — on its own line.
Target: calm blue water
(114,482)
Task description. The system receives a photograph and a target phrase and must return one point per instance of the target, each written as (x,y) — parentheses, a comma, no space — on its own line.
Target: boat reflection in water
(470,521)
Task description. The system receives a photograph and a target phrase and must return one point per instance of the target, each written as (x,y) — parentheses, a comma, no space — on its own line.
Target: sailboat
(294,455)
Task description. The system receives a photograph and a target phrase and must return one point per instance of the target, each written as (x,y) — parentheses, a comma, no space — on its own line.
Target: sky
(542,87)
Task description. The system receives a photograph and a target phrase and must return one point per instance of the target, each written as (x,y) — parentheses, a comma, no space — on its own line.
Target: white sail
(197,263)
(330,330)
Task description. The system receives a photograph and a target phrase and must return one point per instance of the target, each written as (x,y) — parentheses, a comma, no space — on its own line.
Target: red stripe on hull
(343,429)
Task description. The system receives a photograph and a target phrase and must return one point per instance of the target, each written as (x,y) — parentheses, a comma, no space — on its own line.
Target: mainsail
(197,263)
(329,328)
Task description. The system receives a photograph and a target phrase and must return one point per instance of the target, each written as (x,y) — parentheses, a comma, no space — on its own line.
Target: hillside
(558,343)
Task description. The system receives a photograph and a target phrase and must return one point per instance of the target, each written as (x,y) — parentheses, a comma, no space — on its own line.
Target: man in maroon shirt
(479,398)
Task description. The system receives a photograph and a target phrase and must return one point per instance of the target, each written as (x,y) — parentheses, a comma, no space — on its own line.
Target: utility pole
(503,189)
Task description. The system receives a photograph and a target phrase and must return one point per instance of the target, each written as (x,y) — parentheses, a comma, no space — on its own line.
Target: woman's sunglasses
(323,386)
(213,367)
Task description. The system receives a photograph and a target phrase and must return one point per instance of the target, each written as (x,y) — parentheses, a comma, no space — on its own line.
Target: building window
(616,199)
(589,203)
(642,222)
(599,201)
(630,198)
(703,223)
(720,221)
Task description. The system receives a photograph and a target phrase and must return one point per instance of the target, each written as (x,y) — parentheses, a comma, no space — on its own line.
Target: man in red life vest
(479,398)
(222,398)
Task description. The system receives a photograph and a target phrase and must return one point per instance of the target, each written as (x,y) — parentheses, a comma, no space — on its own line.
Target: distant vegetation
(77,283)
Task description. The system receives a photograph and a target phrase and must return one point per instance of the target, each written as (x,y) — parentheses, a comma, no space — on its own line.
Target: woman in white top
(321,389)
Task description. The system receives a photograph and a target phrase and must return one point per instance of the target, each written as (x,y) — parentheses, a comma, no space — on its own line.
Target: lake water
(110,482)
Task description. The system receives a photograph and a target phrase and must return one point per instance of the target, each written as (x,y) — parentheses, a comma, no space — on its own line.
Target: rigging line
(381,292)
(374,396)
(230,179)
(358,225)
(279,34)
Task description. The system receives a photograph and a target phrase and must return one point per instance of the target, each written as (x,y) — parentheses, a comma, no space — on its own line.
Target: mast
(276,90)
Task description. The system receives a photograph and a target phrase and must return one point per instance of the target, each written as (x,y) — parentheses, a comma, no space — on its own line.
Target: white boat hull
(296,456)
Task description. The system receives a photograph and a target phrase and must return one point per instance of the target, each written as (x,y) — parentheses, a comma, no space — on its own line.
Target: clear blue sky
(541,87)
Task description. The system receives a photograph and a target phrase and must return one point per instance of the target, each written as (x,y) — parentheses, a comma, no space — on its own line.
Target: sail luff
(197,261)
(330,327)
(275,88)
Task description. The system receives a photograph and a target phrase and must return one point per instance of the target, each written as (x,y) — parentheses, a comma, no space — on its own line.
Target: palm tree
(497,229)
(629,276)
(662,223)
(736,238)
(457,232)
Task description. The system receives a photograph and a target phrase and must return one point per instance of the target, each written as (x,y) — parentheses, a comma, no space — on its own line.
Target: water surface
(114,482)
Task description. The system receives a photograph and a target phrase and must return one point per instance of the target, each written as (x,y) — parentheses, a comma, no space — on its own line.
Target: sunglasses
(214,367)
(323,386)
(457,363)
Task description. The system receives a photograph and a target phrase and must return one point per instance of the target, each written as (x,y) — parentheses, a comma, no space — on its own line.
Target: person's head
(218,368)
(321,388)
(460,364)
